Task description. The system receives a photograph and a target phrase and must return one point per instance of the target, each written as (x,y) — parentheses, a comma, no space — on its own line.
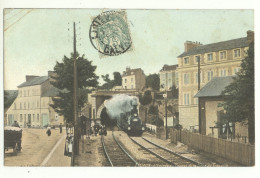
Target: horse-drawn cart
(13,138)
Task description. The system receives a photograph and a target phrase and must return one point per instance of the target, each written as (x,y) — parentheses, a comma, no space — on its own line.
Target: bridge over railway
(98,97)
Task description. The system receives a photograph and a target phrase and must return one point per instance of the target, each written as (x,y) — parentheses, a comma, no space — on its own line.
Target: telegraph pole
(166,117)
(75,98)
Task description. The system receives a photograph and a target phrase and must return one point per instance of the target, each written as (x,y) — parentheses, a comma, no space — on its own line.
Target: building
(9,97)
(216,60)
(168,77)
(211,114)
(32,105)
(133,79)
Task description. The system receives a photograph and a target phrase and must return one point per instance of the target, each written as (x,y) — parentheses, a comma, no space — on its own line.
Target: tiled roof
(223,45)
(34,81)
(167,67)
(214,87)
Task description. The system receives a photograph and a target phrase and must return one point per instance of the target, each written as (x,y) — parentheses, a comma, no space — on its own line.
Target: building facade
(168,77)
(216,60)
(133,79)
(32,107)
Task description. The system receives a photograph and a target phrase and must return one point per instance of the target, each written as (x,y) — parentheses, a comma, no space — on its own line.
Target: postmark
(109,33)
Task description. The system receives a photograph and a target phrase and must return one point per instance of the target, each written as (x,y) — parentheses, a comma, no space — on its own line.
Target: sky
(34,39)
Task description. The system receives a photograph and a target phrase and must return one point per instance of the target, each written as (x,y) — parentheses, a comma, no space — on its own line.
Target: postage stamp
(109,33)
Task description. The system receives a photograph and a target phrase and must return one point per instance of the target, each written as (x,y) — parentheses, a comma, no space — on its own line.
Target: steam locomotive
(131,123)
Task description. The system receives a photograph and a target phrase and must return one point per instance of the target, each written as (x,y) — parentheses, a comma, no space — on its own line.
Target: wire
(17,20)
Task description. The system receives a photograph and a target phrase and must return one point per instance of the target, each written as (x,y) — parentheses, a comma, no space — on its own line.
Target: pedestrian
(15,124)
(60,128)
(48,132)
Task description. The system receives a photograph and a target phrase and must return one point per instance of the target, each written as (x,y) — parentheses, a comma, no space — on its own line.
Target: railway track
(115,153)
(168,156)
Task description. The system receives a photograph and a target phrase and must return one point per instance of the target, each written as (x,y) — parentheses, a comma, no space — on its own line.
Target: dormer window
(237,53)
(186,60)
(210,57)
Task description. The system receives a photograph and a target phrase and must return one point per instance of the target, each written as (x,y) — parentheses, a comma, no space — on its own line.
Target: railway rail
(164,154)
(115,153)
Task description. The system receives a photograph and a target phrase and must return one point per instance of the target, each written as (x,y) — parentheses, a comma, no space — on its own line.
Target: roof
(224,45)
(214,87)
(129,71)
(51,92)
(34,81)
(168,68)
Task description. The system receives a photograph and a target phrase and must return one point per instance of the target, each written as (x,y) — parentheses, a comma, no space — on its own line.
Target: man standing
(60,128)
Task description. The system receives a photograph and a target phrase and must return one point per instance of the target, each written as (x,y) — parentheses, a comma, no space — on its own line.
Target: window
(24,106)
(28,92)
(186,99)
(223,55)
(24,93)
(236,70)
(186,60)
(223,72)
(21,118)
(210,57)
(132,73)
(33,105)
(28,105)
(186,78)
(25,118)
(33,117)
(37,104)
(132,86)
(210,75)
(197,59)
(237,53)
(21,93)
(21,106)
(132,79)
(125,87)
(38,118)
(125,80)
(196,76)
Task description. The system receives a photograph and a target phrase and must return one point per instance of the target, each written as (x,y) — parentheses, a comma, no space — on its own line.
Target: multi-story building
(216,60)
(168,77)
(133,79)
(32,105)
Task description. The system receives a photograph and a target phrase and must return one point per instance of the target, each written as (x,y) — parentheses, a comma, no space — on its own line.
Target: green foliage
(175,91)
(109,84)
(146,98)
(153,81)
(63,104)
(9,97)
(239,95)
(153,109)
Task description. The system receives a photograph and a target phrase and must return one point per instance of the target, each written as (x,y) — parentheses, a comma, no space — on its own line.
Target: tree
(109,84)
(63,80)
(153,81)
(239,96)
(174,91)
(146,98)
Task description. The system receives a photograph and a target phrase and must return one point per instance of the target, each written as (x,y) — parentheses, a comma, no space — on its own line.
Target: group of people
(99,129)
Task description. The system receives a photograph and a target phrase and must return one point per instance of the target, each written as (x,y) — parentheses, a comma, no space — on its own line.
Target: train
(131,123)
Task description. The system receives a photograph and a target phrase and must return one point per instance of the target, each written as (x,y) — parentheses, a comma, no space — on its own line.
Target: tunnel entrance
(105,120)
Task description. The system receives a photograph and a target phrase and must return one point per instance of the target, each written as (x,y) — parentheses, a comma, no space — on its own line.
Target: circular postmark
(109,33)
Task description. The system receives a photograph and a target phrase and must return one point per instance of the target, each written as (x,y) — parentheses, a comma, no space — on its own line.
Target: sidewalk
(89,152)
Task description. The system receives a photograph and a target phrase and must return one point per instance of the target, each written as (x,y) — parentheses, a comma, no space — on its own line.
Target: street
(39,150)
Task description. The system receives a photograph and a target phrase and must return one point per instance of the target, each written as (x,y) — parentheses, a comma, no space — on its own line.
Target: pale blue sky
(33,42)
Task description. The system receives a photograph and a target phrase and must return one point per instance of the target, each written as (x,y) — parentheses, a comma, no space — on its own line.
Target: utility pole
(166,125)
(75,98)
(199,113)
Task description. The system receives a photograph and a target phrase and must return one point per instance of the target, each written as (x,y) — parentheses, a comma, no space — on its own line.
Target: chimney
(127,69)
(30,77)
(189,45)
(250,36)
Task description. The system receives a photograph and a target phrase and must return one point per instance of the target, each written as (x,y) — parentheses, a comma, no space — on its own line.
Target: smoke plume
(118,104)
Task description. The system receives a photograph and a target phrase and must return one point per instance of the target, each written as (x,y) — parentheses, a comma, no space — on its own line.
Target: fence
(238,152)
